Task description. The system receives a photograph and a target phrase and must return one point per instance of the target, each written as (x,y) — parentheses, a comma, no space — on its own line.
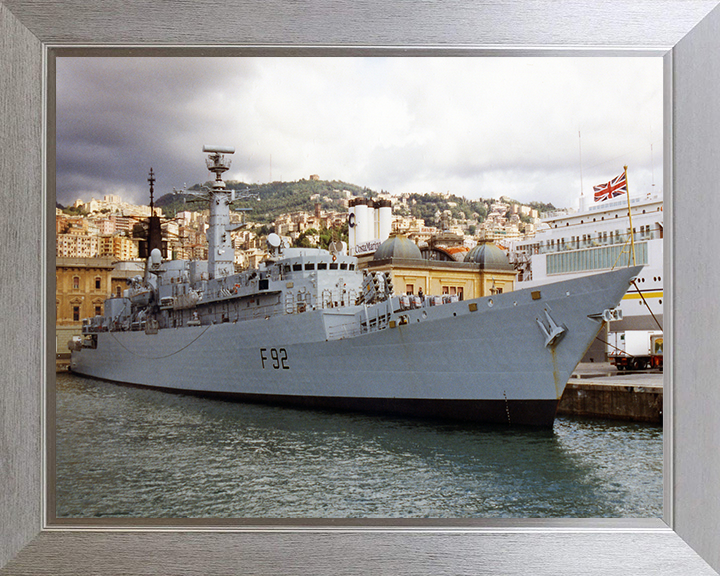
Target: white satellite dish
(274,240)
(335,247)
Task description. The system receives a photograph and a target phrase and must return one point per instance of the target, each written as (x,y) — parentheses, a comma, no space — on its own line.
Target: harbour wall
(635,397)
(63,334)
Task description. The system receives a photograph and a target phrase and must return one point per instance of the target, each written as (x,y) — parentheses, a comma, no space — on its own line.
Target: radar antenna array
(217,163)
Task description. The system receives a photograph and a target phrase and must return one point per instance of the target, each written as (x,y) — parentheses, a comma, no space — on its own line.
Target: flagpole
(632,236)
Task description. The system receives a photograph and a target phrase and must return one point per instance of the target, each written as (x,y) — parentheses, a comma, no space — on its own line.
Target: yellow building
(122,272)
(81,287)
(485,270)
(119,247)
(76,246)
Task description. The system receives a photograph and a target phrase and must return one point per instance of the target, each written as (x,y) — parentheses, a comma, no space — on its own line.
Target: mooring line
(647,305)
(160,357)
(616,348)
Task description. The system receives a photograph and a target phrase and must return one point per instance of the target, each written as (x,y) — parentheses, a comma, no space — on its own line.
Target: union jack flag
(615,187)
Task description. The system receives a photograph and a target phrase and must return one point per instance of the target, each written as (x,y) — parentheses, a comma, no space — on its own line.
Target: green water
(132,452)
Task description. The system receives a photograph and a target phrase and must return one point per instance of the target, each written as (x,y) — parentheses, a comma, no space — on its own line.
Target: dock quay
(62,362)
(599,390)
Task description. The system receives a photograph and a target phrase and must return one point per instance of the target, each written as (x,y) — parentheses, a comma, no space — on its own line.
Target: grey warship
(309,328)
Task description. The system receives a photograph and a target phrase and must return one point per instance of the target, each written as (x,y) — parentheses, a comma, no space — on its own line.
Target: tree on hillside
(73,211)
(305,239)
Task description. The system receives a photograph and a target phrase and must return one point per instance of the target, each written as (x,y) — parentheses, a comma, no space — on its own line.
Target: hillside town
(112,228)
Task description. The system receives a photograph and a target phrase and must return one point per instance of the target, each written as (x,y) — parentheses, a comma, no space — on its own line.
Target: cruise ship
(597,238)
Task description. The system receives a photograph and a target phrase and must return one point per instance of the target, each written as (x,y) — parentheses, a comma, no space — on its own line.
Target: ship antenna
(581,171)
(217,163)
(652,166)
(154,236)
(152,181)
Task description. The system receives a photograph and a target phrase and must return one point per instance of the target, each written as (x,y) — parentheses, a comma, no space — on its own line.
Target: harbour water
(131,452)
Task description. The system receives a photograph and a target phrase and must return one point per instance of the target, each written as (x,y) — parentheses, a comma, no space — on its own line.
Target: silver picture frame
(685,33)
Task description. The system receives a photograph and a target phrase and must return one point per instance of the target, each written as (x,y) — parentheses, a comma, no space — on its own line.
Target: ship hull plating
(491,359)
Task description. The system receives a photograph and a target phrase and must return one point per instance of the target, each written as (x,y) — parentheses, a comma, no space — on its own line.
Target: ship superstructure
(595,239)
(307,327)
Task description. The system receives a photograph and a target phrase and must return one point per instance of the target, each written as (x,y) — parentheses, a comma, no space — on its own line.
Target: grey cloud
(468,126)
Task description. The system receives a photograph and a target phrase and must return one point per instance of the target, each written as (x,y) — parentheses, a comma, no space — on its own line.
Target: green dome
(489,256)
(398,247)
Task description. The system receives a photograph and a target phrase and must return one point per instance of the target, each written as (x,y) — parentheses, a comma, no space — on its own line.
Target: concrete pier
(62,362)
(598,390)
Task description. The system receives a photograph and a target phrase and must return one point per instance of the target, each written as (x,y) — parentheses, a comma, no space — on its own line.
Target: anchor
(553,332)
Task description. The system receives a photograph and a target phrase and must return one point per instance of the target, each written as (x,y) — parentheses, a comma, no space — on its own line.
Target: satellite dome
(398,246)
(273,240)
(489,257)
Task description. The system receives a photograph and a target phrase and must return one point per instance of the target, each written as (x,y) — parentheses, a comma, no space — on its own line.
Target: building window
(98,311)
(76,313)
(97,283)
(76,283)
(409,288)
(118,291)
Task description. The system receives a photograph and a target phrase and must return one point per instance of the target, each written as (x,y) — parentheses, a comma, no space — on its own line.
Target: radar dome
(155,257)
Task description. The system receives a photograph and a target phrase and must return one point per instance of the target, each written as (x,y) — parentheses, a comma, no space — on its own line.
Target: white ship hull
(492,364)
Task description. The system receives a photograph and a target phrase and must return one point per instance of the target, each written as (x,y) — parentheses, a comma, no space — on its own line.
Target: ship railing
(344,331)
(376,318)
(613,238)
(289,303)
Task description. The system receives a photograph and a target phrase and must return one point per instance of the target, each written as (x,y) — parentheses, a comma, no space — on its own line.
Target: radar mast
(221,255)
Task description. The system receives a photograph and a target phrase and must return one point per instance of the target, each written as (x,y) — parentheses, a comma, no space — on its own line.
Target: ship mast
(221,256)
(154,239)
(154,229)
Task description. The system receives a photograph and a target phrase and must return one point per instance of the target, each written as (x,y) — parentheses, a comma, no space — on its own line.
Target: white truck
(636,349)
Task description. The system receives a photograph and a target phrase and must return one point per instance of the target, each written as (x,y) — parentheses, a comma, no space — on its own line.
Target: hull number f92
(277,358)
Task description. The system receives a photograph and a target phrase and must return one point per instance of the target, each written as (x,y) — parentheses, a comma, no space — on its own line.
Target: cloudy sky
(475,127)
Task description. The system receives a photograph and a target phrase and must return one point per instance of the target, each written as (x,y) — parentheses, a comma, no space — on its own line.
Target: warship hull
(503,359)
